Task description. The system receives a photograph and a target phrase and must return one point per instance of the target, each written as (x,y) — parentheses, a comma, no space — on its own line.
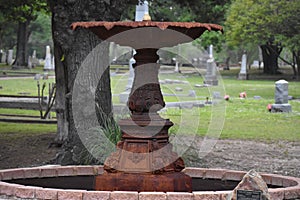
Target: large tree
(8,28)
(207,11)
(23,12)
(271,24)
(71,49)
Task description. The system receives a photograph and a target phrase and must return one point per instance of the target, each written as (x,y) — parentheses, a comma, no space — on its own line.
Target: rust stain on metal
(161,25)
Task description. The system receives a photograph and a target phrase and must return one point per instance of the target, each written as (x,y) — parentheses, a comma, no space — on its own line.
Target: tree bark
(71,50)
(22,44)
(296,56)
(270,55)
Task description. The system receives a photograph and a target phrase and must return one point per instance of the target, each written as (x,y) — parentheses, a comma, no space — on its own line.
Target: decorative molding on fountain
(288,187)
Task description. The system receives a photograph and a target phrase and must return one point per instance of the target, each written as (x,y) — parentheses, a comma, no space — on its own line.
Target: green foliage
(22,10)
(8,29)
(16,130)
(211,37)
(212,11)
(166,10)
(250,21)
(40,35)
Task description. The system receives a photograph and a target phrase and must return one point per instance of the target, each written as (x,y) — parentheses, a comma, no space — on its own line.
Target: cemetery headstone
(216,95)
(10,57)
(131,73)
(37,77)
(255,64)
(29,65)
(192,93)
(34,60)
(243,73)
(281,97)
(176,70)
(178,89)
(47,65)
(3,57)
(45,76)
(211,67)
(52,63)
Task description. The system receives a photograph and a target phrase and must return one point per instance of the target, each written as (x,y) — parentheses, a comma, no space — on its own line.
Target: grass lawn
(244,118)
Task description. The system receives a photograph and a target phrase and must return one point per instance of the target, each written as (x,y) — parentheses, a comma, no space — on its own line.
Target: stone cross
(47,65)
(281,97)
(10,57)
(243,73)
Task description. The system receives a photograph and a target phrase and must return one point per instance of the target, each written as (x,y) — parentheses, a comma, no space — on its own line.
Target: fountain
(144,160)
(144,165)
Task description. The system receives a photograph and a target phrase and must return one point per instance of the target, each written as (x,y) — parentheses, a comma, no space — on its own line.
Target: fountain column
(144,160)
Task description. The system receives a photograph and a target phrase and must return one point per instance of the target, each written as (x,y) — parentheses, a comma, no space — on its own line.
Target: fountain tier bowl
(147,34)
(76,182)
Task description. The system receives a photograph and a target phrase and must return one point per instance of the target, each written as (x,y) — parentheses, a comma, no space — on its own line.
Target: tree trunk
(296,55)
(75,77)
(22,43)
(270,55)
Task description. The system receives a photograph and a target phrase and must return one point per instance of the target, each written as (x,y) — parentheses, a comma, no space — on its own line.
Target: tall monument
(243,73)
(211,67)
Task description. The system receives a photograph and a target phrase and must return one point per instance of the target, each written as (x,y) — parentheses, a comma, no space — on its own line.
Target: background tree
(8,28)
(271,24)
(70,50)
(23,12)
(212,11)
(40,35)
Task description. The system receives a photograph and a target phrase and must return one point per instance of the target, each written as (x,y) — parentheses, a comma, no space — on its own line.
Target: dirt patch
(26,151)
(279,158)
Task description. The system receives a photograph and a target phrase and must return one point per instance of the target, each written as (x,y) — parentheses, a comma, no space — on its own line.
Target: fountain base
(167,182)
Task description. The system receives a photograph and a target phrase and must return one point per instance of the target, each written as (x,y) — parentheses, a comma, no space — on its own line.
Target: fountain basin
(76,182)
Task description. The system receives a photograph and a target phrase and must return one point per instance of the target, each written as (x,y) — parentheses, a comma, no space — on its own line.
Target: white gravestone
(131,72)
(34,60)
(48,65)
(211,68)
(3,57)
(10,57)
(255,64)
(281,97)
(52,63)
(29,65)
(243,73)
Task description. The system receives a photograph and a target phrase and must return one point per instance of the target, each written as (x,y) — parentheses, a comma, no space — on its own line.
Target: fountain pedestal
(144,160)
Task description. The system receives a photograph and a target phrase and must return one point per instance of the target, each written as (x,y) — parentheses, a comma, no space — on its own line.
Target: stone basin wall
(290,185)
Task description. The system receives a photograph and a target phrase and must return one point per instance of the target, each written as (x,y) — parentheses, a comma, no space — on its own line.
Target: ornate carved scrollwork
(145,99)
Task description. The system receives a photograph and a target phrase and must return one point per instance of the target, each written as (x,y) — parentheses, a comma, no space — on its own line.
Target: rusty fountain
(144,165)
(144,160)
